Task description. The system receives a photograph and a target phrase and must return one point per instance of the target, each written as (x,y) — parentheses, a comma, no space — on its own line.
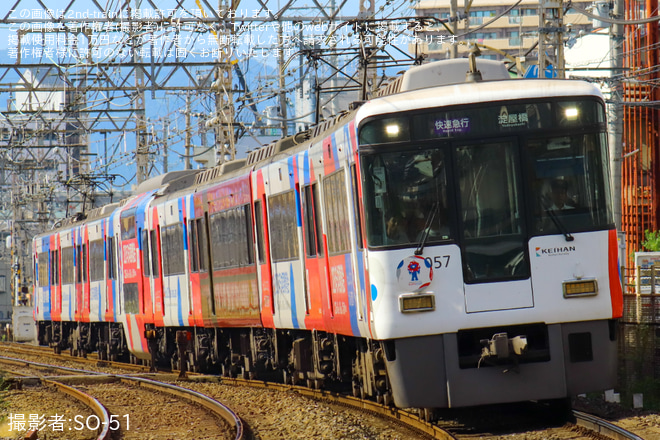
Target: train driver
(559,195)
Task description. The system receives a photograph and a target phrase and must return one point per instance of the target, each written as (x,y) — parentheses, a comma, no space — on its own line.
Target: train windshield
(487,177)
(406,197)
(568,182)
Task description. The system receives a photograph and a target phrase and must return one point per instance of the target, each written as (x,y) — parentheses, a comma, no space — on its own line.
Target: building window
(478,17)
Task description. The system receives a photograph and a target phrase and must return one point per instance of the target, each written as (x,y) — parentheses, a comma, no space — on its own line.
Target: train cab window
(405,197)
(491,212)
(569,184)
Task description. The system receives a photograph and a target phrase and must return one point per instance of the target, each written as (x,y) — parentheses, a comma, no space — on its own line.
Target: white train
(445,244)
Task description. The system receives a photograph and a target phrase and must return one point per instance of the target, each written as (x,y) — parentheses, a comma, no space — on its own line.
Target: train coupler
(503,348)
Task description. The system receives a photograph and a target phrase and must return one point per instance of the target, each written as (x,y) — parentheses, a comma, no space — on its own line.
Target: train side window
(128,224)
(146,257)
(78,264)
(283,226)
(259,219)
(318,219)
(84,263)
(154,254)
(247,241)
(193,245)
(110,242)
(96,258)
(337,219)
(311,245)
(172,245)
(202,244)
(67,265)
(230,231)
(42,260)
(356,207)
(56,267)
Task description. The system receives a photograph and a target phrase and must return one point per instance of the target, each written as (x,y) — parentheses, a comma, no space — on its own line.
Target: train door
(491,227)
(175,284)
(78,303)
(86,306)
(147,281)
(43,305)
(156,271)
(55,291)
(111,264)
(263,250)
(315,256)
(97,283)
(200,275)
(64,270)
(340,222)
(289,289)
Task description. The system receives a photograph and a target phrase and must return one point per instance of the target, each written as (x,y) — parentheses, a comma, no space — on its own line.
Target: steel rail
(93,404)
(215,407)
(603,427)
(397,415)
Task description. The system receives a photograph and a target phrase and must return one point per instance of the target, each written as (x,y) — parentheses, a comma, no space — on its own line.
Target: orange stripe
(615,282)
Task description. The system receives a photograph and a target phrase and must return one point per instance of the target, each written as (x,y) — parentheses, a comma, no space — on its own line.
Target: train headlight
(416,302)
(580,288)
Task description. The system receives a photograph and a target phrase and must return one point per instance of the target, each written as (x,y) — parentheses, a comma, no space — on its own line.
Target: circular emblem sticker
(414,273)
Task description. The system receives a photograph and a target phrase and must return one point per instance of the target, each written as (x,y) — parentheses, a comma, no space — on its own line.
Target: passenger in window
(559,195)
(397,229)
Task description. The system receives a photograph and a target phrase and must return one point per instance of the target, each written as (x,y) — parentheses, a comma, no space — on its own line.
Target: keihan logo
(553,252)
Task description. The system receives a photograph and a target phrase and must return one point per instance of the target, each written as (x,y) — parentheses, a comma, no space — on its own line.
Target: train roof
(474,93)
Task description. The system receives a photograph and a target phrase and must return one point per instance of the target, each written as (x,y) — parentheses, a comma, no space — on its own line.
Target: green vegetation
(651,241)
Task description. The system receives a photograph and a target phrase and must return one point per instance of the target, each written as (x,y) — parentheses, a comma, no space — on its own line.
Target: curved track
(409,419)
(213,406)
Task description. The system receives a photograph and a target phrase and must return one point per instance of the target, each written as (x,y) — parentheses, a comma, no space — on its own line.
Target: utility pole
(369,74)
(188,134)
(282,84)
(166,137)
(141,147)
(453,14)
(615,120)
(551,37)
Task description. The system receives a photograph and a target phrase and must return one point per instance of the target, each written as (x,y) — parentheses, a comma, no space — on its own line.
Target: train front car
(492,249)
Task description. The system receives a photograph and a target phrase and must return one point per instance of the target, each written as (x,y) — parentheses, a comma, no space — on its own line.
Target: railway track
(105,423)
(584,422)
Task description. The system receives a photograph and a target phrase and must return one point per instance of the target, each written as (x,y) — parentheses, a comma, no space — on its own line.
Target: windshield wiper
(427,228)
(560,225)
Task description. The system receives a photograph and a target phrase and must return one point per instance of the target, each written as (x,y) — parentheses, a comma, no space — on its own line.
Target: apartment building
(511,33)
